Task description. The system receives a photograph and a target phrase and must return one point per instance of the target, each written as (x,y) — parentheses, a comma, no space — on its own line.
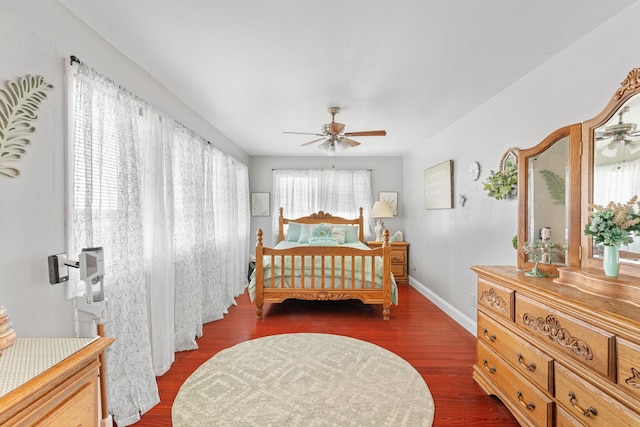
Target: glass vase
(611,260)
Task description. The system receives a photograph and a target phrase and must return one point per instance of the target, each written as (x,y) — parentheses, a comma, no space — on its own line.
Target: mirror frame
(628,88)
(573,132)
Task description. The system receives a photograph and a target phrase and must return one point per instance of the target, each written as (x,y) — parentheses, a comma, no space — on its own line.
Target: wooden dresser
(557,353)
(51,381)
(399,259)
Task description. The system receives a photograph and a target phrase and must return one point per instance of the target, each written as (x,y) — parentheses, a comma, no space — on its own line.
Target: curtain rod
(285,169)
(75,60)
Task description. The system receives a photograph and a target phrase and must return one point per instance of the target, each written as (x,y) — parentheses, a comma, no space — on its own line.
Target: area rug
(304,380)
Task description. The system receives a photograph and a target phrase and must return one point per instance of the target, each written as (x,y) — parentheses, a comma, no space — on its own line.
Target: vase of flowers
(611,226)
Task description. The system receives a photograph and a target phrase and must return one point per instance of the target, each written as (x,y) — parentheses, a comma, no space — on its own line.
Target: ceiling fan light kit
(335,139)
(618,133)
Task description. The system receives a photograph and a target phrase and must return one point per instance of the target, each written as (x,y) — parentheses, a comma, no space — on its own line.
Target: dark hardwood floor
(419,332)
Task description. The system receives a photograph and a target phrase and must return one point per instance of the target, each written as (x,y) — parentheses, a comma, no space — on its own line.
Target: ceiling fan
(619,132)
(334,135)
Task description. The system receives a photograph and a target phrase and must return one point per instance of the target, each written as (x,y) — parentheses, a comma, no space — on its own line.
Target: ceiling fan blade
(351,142)
(311,142)
(367,133)
(602,135)
(305,133)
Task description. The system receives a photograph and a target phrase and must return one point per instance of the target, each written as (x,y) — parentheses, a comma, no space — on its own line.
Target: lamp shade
(381,210)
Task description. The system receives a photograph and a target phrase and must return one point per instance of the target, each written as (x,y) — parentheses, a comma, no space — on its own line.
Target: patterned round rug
(304,380)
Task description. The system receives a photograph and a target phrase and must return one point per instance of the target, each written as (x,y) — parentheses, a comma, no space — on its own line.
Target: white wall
(386,175)
(36,38)
(571,87)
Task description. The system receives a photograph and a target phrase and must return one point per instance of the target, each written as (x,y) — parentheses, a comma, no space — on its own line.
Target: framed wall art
(391,198)
(438,186)
(260,204)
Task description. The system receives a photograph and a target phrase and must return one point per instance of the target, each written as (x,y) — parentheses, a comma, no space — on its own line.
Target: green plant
(613,224)
(502,184)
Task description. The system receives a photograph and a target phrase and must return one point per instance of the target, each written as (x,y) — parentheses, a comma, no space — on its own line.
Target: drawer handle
(530,367)
(530,406)
(491,337)
(586,412)
(486,365)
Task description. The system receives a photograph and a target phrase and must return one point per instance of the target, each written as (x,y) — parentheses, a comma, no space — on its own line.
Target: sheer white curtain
(338,192)
(616,182)
(172,214)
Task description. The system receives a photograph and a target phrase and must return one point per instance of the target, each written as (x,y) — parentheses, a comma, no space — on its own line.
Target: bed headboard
(321,217)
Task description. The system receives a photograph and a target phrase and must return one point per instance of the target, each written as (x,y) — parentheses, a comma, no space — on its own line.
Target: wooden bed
(339,272)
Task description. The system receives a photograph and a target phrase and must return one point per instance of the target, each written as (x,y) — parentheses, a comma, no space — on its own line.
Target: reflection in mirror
(616,172)
(548,192)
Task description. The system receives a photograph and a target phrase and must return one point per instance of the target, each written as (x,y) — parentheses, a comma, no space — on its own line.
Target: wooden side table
(51,381)
(399,259)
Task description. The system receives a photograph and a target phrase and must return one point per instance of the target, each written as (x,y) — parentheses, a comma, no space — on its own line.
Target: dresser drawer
(563,419)
(530,362)
(532,403)
(587,344)
(628,366)
(398,255)
(497,299)
(589,405)
(399,270)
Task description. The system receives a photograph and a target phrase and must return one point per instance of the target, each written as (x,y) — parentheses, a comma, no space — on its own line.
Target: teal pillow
(322,230)
(293,232)
(305,233)
(351,234)
(323,241)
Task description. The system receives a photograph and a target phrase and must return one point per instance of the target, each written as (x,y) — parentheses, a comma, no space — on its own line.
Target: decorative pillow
(351,234)
(305,233)
(323,241)
(339,233)
(293,232)
(321,230)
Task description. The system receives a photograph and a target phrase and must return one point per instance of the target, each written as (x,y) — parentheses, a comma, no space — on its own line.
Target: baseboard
(464,321)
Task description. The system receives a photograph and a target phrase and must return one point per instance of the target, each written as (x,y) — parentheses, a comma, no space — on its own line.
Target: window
(301,192)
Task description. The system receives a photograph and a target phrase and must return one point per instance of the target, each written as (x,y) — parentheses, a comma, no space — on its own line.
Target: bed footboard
(323,273)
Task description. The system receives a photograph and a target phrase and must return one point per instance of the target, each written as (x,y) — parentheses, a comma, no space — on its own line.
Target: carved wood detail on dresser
(555,353)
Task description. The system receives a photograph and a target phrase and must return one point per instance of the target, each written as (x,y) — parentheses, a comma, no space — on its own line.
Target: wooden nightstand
(399,259)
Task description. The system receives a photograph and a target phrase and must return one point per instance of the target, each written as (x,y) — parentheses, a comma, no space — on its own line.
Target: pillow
(323,241)
(321,230)
(305,233)
(293,232)
(339,233)
(351,234)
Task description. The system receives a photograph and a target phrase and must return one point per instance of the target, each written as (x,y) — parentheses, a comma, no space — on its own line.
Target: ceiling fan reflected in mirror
(333,136)
(618,134)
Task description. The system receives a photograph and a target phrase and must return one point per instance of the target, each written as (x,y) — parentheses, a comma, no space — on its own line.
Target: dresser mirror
(549,206)
(611,166)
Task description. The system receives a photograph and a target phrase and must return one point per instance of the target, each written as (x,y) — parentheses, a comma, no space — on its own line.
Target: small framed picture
(260,204)
(391,198)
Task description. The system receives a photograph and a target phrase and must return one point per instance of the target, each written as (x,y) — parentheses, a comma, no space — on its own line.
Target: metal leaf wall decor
(19,103)
(555,185)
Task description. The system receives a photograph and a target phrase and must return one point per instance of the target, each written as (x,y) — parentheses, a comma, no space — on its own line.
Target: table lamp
(380,210)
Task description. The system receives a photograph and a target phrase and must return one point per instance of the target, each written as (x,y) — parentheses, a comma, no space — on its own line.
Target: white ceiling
(256,68)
